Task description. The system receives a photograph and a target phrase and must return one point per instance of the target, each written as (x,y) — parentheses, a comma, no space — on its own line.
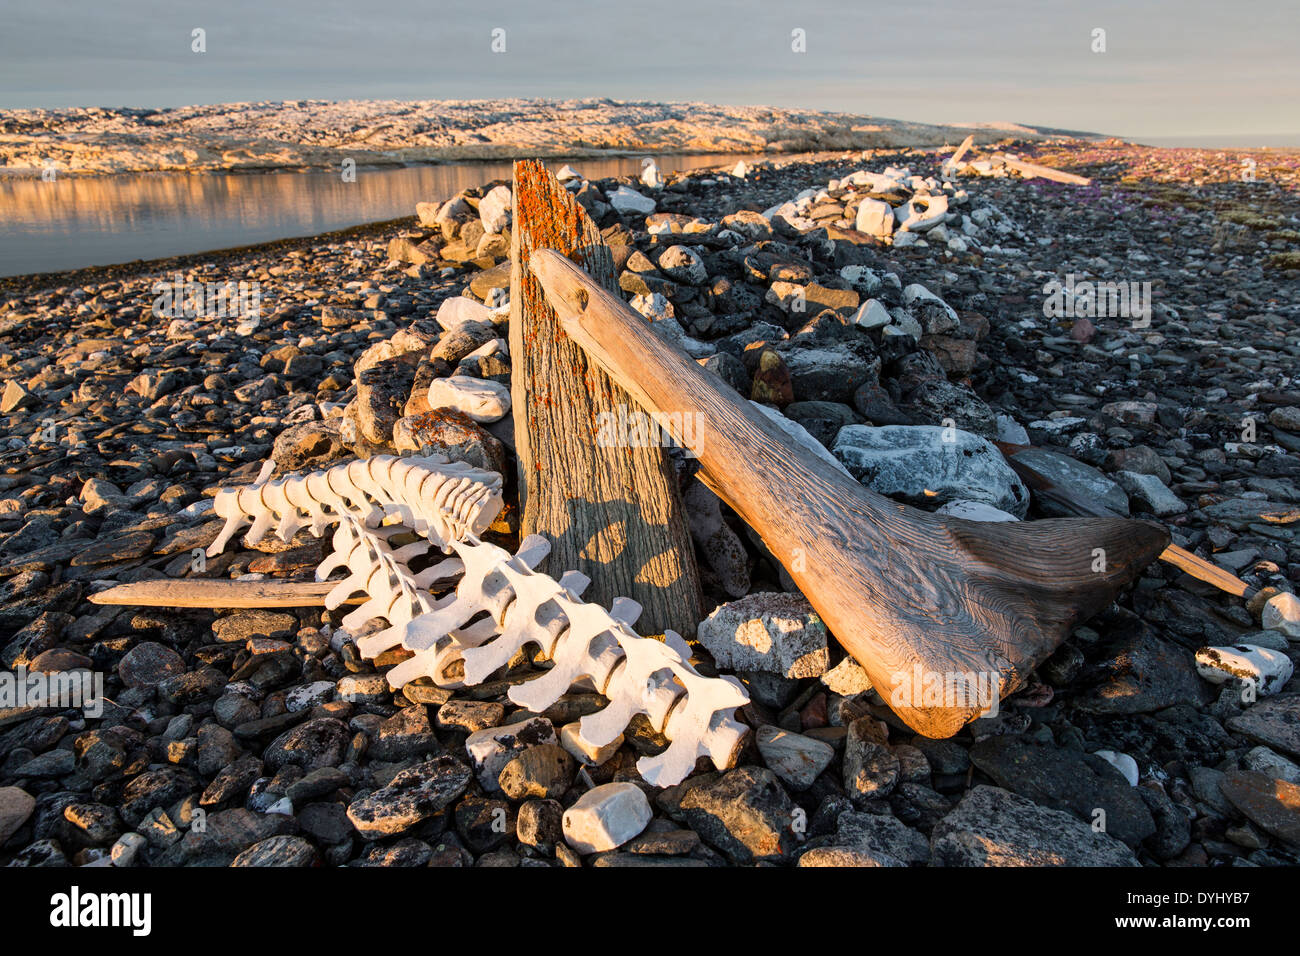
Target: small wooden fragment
(217,594)
(613,513)
(956,157)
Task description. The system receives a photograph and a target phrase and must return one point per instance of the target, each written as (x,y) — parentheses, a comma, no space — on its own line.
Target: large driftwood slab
(612,513)
(915,597)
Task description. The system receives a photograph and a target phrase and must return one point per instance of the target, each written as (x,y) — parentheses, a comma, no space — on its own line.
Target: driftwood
(613,512)
(922,601)
(217,594)
(1030,170)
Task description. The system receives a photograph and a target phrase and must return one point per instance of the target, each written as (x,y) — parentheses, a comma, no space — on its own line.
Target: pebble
(606,817)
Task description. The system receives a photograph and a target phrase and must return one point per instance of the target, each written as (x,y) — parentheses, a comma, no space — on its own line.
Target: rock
(148,664)
(412,796)
(1274,723)
(744,813)
(492,748)
(974,511)
(451,433)
(1271,804)
(543,772)
(721,546)
(773,632)
(540,824)
(875,218)
(1139,673)
(628,202)
(847,678)
(16,397)
(1267,762)
(469,716)
(1281,612)
(882,836)
(935,315)
(16,805)
(1125,764)
(1065,780)
(310,745)
(459,310)
(871,770)
(796,759)
(606,817)
(571,739)
(242,626)
(1173,826)
(1265,670)
(923,213)
(283,850)
(309,446)
(494,209)
(684,265)
(992,827)
(1150,493)
(480,400)
(872,315)
(841,856)
(929,465)
(1075,479)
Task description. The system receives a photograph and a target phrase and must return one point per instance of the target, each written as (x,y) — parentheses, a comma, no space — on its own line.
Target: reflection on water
(71,223)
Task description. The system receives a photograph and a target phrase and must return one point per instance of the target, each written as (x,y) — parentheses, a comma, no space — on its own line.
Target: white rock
(1273,764)
(974,511)
(741,170)
(308,696)
(494,209)
(650,175)
(1267,670)
(653,306)
(875,218)
(872,314)
(1121,762)
(427,212)
(283,805)
(1010,430)
(1282,613)
(458,310)
(924,212)
(904,239)
(682,264)
(566,173)
(571,739)
(625,200)
(917,295)
(796,759)
(606,817)
(481,400)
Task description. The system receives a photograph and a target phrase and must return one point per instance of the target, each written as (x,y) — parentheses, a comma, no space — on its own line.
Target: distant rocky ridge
(319,133)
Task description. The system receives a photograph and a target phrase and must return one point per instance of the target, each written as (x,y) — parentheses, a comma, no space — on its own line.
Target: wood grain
(216,594)
(908,593)
(613,513)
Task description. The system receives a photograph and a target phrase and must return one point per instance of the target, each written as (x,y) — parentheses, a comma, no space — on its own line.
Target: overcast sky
(1187,69)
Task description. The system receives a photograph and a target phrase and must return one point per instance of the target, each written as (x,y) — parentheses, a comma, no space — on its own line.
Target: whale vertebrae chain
(390,511)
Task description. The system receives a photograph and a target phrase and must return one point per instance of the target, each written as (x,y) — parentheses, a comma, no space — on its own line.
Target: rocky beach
(895,310)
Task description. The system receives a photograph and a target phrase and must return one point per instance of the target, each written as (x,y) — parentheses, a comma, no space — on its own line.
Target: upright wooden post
(610,509)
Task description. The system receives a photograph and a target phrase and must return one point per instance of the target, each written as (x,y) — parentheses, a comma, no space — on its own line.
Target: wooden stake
(609,508)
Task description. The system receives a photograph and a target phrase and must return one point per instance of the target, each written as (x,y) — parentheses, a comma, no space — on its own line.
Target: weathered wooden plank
(198,592)
(614,512)
(1031,170)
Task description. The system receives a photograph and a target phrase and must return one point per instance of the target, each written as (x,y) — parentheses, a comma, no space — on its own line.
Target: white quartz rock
(458,310)
(1121,762)
(494,209)
(650,175)
(481,400)
(1282,613)
(1267,670)
(741,170)
(567,172)
(625,200)
(875,217)
(872,315)
(606,817)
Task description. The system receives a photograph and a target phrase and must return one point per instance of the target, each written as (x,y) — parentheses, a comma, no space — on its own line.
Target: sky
(1173,72)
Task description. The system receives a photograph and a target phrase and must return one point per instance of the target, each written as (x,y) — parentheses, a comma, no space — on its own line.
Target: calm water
(71,223)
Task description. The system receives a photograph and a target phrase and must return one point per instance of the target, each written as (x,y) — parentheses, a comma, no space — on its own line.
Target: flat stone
(796,759)
(1076,479)
(542,772)
(1274,723)
(282,850)
(148,664)
(412,796)
(1271,804)
(993,827)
